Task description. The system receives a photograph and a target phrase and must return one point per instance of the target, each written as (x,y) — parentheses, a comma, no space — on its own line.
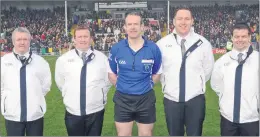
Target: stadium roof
(125,0)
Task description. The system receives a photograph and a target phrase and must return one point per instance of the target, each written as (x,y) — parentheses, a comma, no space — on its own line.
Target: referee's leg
(228,128)
(174,114)
(249,129)
(14,128)
(74,124)
(35,128)
(94,123)
(145,121)
(145,114)
(123,113)
(195,115)
(123,121)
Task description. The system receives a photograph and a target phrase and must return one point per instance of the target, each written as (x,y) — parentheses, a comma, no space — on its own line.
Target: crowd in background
(48,26)
(215,22)
(109,31)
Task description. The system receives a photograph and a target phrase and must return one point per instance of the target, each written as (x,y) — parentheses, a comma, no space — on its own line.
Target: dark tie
(83,82)
(237,94)
(183,49)
(239,57)
(238,85)
(23,92)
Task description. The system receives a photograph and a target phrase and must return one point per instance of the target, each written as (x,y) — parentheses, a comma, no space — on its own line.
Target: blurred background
(52,23)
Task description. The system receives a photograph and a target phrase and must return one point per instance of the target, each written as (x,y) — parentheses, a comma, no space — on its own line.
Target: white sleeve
(2,77)
(217,83)
(208,61)
(108,84)
(59,74)
(160,45)
(160,70)
(46,78)
(109,70)
(2,85)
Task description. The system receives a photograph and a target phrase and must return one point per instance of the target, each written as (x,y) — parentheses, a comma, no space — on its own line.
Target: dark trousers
(190,114)
(31,128)
(229,128)
(89,125)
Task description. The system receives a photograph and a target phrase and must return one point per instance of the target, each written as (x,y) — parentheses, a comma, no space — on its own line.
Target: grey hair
(21,29)
(134,13)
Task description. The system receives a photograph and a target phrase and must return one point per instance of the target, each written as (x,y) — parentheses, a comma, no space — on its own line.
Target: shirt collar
(191,32)
(234,53)
(27,54)
(80,52)
(189,36)
(145,42)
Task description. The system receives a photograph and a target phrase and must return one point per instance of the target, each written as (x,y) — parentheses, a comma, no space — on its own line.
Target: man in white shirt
(235,79)
(187,62)
(82,77)
(25,80)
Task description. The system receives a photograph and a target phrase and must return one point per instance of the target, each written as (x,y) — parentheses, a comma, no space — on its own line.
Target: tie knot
(83,56)
(182,41)
(239,57)
(22,58)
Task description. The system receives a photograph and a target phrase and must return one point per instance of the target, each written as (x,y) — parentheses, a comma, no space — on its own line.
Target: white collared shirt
(88,52)
(38,81)
(234,53)
(223,81)
(187,43)
(67,77)
(199,65)
(26,54)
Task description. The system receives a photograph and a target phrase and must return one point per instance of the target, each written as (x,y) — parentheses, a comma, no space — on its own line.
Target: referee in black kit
(135,66)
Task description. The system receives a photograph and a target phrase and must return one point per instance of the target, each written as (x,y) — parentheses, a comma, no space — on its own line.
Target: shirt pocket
(220,99)
(257,103)
(41,108)
(10,105)
(163,82)
(4,104)
(202,83)
(104,96)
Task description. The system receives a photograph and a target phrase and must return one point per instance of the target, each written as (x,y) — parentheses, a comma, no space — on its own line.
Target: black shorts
(139,108)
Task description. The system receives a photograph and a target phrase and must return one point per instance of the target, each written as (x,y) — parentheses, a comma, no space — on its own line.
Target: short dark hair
(134,13)
(241,26)
(82,27)
(182,8)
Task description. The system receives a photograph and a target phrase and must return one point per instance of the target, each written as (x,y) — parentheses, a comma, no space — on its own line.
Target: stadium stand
(48,29)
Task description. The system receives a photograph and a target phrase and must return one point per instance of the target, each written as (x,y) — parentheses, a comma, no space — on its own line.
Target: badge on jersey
(147,61)
(147,65)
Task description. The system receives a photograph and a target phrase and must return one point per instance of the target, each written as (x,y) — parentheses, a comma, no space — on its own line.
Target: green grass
(54,124)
